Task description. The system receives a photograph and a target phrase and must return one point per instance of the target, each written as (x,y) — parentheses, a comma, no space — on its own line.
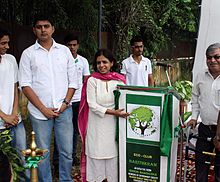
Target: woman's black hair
(108,54)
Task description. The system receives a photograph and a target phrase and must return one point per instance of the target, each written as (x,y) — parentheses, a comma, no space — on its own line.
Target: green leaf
(184,88)
(187,115)
(11,153)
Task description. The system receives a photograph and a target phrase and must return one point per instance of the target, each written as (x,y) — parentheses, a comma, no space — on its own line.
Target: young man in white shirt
(82,68)
(48,79)
(137,68)
(9,111)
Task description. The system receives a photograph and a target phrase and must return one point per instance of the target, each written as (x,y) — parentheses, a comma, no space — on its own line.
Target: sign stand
(147,139)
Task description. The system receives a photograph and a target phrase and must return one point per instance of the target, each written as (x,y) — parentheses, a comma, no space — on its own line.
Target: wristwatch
(66,102)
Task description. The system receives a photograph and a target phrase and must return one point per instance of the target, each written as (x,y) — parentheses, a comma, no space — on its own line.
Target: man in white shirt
(82,68)
(137,68)
(48,79)
(9,111)
(206,103)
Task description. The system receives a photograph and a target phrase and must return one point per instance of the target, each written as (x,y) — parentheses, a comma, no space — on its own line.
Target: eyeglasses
(216,57)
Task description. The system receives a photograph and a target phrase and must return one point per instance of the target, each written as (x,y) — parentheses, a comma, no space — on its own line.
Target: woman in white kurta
(101,131)
(100,144)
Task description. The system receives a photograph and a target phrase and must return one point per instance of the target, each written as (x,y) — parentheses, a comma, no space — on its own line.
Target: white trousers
(99,169)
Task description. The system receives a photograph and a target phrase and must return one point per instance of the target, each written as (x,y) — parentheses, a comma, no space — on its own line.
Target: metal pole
(186,155)
(168,77)
(181,150)
(100,25)
(183,109)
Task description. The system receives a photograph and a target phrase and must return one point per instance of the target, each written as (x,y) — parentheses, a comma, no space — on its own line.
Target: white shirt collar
(132,59)
(37,45)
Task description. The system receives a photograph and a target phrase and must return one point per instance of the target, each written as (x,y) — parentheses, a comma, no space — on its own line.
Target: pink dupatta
(84,112)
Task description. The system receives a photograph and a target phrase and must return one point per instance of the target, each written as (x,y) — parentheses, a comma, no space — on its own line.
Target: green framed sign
(147,144)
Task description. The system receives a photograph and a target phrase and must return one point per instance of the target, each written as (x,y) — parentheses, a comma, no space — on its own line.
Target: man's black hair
(4,32)
(136,38)
(42,18)
(70,37)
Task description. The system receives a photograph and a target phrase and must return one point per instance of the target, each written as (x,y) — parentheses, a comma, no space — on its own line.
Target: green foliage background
(158,21)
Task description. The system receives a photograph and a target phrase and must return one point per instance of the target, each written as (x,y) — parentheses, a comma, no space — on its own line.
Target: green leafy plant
(12,155)
(187,115)
(184,89)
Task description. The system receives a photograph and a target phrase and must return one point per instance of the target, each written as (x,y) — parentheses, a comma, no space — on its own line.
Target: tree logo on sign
(141,121)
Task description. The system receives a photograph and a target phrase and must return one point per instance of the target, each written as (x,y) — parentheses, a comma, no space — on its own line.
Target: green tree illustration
(141,118)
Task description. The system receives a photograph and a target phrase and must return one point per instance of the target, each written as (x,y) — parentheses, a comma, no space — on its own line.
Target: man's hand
(63,107)
(192,123)
(10,120)
(49,112)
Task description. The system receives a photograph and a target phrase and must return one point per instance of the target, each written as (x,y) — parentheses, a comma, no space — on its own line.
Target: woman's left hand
(118,112)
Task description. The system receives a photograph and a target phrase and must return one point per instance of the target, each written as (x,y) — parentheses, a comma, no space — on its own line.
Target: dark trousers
(75,107)
(202,169)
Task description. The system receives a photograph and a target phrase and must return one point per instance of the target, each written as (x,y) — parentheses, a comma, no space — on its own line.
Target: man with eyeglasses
(137,68)
(206,103)
(48,78)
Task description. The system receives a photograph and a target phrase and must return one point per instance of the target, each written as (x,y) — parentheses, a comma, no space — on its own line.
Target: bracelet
(66,102)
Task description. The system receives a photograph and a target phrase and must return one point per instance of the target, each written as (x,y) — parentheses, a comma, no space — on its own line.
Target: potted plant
(184,89)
